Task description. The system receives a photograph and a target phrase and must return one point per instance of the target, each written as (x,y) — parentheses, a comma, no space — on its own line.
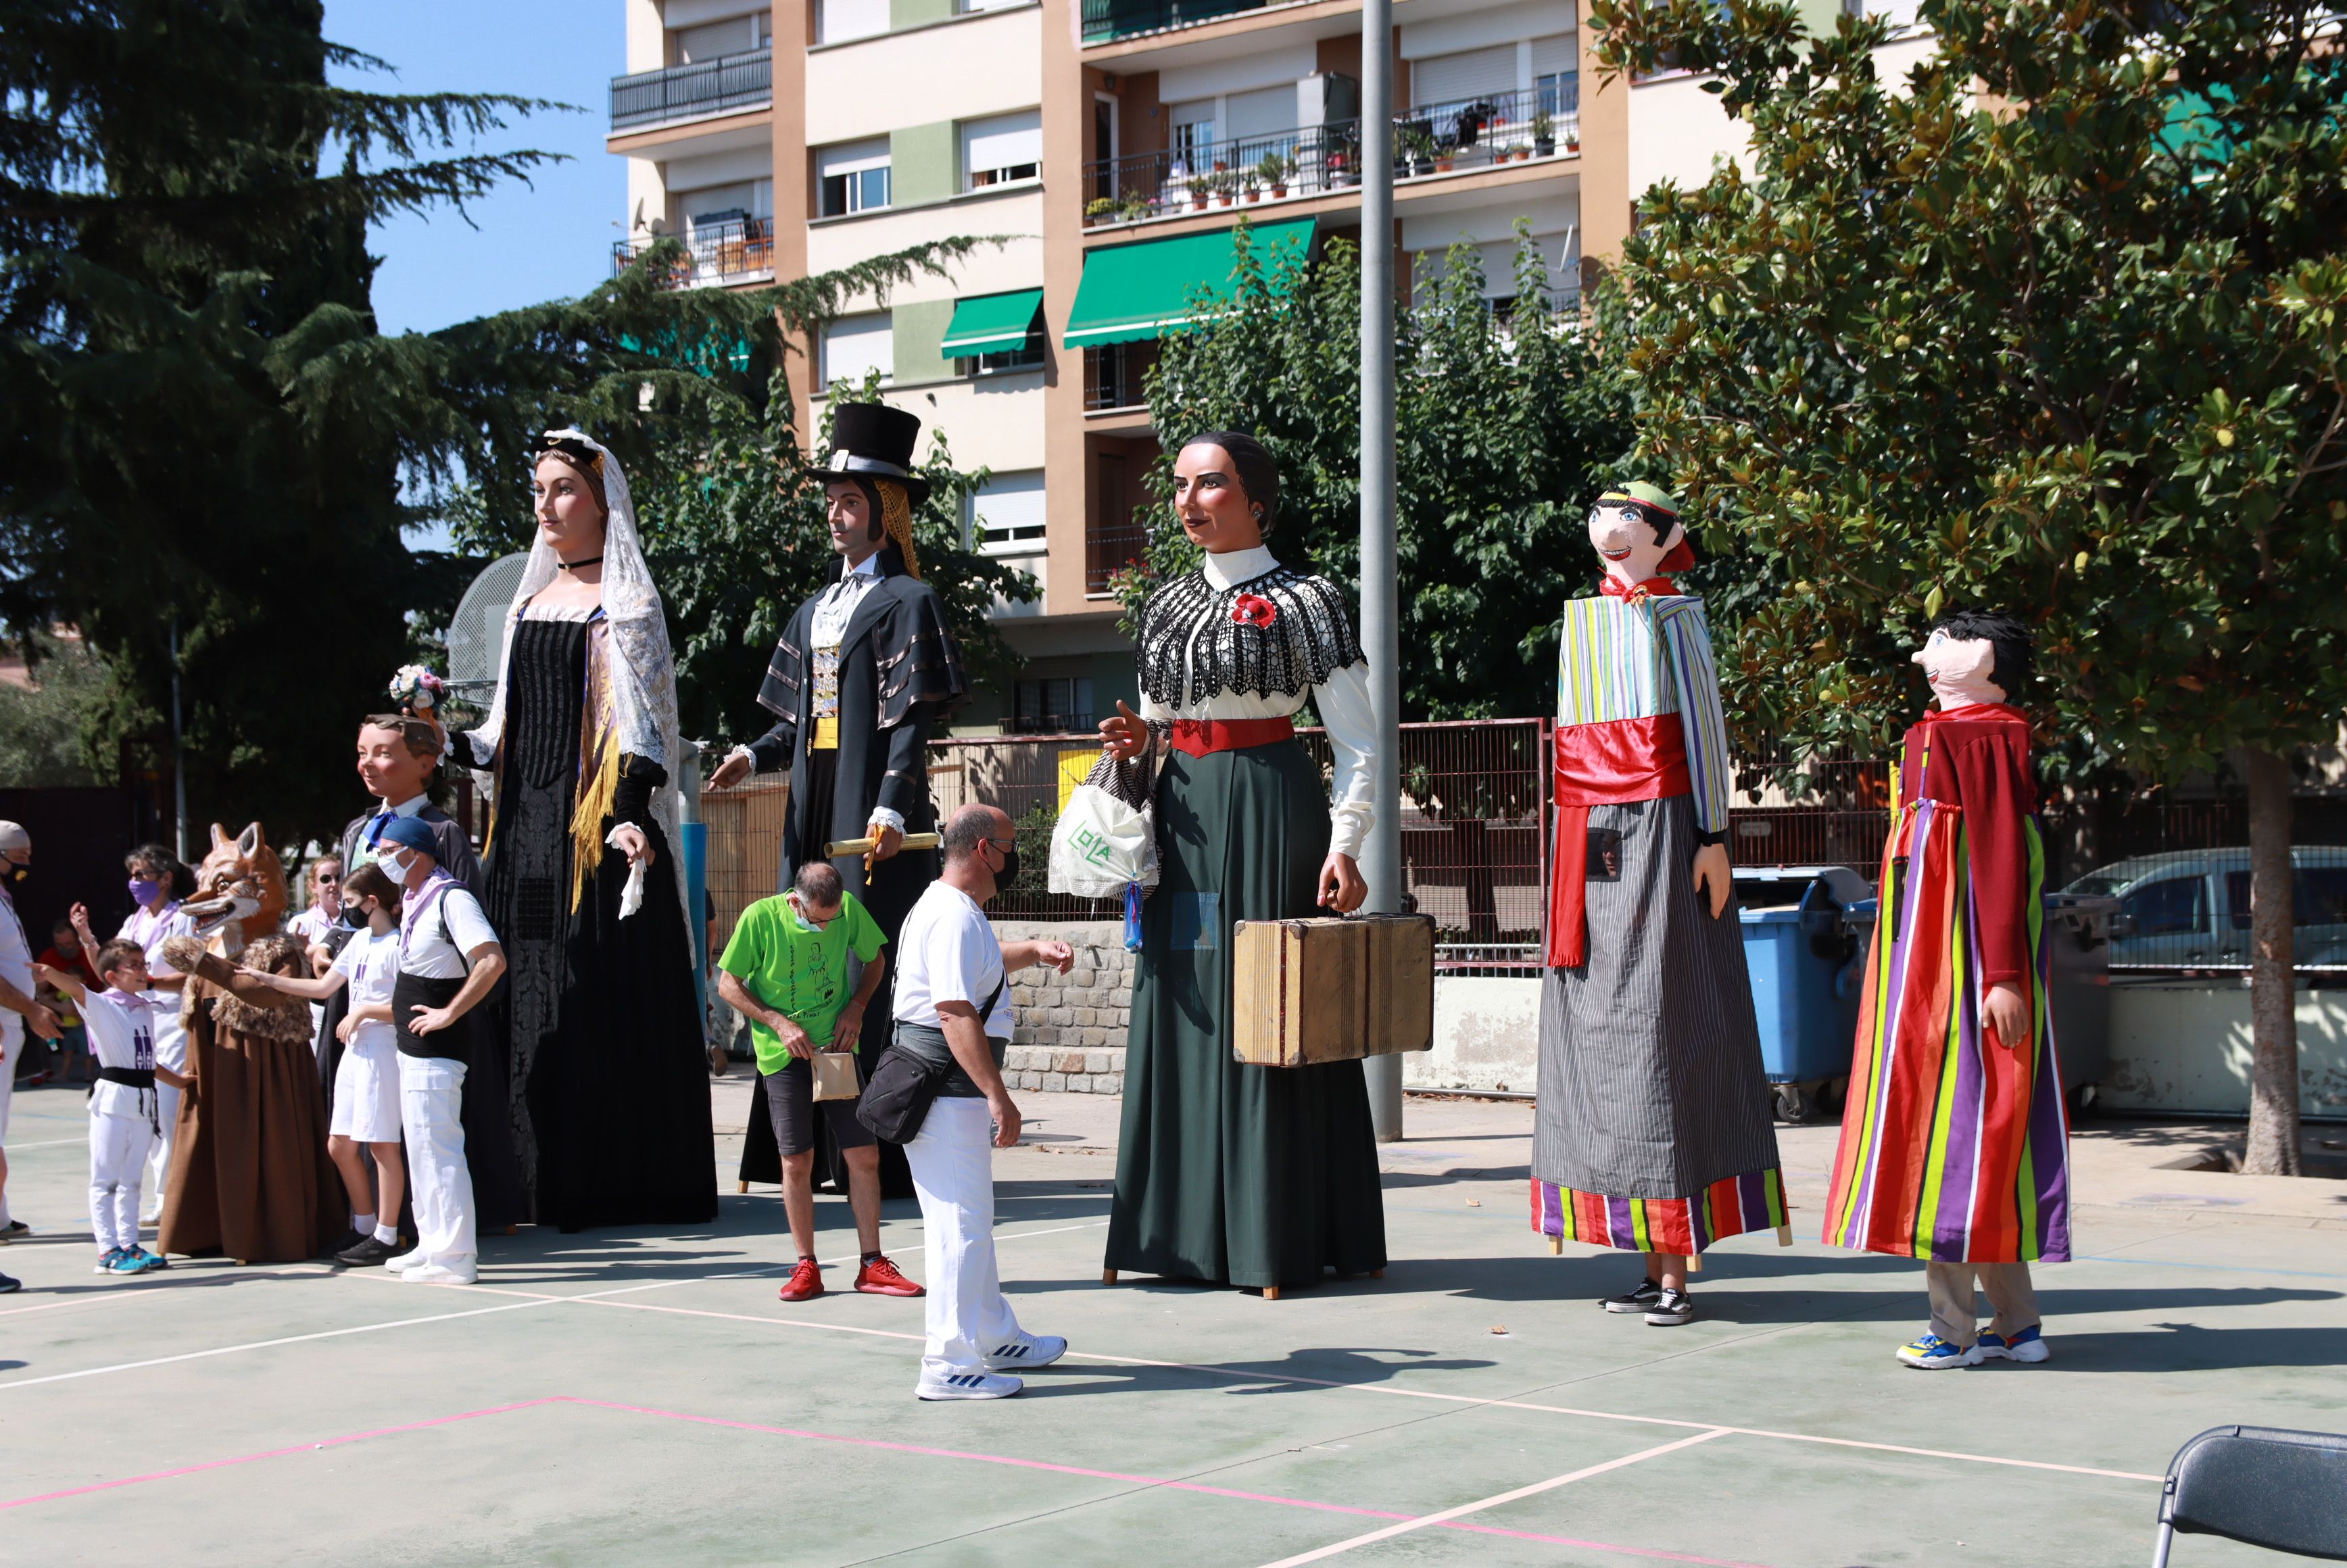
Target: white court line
(530,1300)
(51,1143)
(1424,1519)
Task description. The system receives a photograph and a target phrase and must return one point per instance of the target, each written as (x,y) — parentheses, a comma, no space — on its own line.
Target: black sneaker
(14,1230)
(1638,1300)
(7,1285)
(1671,1309)
(367,1252)
(349,1239)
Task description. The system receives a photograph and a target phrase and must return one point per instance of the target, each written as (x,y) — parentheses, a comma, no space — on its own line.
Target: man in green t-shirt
(786,969)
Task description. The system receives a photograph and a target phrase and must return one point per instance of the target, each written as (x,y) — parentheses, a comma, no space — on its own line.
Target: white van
(2191,906)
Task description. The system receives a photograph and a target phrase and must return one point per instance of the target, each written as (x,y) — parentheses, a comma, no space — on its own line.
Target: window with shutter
(1457,79)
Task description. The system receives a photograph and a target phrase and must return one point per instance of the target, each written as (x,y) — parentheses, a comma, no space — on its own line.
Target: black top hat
(874,441)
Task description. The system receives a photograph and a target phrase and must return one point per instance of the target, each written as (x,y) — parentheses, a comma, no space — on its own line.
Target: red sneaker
(879,1277)
(805,1281)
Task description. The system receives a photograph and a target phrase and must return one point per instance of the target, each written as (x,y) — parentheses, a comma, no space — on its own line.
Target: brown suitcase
(1332,989)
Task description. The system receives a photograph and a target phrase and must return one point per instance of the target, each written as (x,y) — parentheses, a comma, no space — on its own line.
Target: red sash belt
(1602,765)
(1200,736)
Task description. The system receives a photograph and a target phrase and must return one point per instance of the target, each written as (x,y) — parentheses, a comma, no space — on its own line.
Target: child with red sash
(1954,1142)
(1652,1131)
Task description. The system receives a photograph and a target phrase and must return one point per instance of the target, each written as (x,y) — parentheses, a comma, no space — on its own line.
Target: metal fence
(706,87)
(1107,20)
(1476,846)
(714,254)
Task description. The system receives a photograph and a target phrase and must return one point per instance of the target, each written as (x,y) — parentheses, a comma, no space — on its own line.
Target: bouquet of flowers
(417,688)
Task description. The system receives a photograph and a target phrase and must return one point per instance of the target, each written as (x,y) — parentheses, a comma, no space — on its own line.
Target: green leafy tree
(41,725)
(1508,422)
(2070,347)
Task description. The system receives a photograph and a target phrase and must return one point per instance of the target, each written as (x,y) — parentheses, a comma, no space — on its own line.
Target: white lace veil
(643,672)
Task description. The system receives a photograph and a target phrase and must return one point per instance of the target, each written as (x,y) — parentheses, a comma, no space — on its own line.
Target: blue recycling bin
(1805,943)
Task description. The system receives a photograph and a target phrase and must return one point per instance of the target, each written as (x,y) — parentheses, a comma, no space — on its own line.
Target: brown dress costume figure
(251,1180)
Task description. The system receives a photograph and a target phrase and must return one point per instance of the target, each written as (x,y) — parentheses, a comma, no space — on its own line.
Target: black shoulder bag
(895,1100)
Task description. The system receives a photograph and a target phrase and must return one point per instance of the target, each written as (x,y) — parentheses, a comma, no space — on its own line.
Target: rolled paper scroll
(839,846)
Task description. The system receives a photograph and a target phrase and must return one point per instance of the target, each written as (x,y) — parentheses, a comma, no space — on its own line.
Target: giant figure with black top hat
(860,677)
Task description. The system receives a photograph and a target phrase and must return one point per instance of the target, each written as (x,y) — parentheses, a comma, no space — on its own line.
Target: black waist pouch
(897,1100)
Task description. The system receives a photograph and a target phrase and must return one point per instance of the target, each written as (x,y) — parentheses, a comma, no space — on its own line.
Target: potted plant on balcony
(1544,134)
(1099,209)
(1225,187)
(1418,143)
(1201,186)
(1135,207)
(1272,174)
(1573,138)
(1445,154)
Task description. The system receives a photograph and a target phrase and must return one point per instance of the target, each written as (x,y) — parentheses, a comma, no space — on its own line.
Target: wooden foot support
(1556,1245)
(1377,1274)
(1785,1236)
(1271,1293)
(741,1186)
(1695,1265)
(1108,1277)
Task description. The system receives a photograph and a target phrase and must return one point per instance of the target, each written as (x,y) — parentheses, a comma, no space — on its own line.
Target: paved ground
(633,1398)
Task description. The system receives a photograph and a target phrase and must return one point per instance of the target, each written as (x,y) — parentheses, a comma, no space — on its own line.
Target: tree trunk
(2273,996)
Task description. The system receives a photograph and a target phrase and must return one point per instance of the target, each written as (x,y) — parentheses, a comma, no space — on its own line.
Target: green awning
(1130,292)
(992,323)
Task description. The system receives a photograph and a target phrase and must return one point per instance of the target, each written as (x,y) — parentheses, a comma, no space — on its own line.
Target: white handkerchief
(631,896)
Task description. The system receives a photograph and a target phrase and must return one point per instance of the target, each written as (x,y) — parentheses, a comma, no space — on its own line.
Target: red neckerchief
(1611,586)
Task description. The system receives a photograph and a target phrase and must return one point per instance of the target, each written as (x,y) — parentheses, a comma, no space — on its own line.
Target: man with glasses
(786,970)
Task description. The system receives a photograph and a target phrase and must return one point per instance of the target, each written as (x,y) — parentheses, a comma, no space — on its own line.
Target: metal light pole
(178,753)
(1380,639)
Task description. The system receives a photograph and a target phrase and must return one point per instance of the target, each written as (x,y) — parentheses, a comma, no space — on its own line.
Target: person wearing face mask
(597,1068)
(20,1009)
(155,918)
(364,1106)
(863,673)
(1261,1176)
(1653,1132)
(1954,1139)
(786,969)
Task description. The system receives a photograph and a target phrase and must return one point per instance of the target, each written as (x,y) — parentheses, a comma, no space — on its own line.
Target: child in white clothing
(366,1081)
(123,1109)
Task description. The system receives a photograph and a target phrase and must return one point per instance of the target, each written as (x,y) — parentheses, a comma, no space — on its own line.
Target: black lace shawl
(1310,637)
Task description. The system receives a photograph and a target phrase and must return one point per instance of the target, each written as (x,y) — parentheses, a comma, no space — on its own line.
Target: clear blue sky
(546,240)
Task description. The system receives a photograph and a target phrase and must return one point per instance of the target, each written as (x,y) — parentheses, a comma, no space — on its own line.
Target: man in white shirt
(309,928)
(18,1007)
(449,960)
(953,1013)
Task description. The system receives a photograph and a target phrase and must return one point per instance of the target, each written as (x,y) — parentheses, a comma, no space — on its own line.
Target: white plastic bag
(1102,846)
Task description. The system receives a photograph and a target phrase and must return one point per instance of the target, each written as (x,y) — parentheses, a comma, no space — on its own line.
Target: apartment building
(1111,146)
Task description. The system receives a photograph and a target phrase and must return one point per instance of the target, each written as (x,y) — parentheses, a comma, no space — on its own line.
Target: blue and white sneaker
(1933,1354)
(968,1385)
(148,1261)
(106,1260)
(125,1261)
(2028,1348)
(1027,1353)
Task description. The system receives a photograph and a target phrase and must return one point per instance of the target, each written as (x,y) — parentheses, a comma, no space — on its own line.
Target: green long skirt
(1250,1175)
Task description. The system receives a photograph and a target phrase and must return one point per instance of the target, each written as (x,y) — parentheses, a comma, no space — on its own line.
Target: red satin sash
(1602,765)
(1200,736)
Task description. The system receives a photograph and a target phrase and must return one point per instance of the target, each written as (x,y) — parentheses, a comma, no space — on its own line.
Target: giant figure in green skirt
(1264,1176)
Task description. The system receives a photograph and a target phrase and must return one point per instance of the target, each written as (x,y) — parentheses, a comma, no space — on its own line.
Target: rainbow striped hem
(1686,1227)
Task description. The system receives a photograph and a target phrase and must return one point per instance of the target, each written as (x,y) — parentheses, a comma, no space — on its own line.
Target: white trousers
(431,1100)
(953,1174)
(159,1160)
(12,1046)
(117,1160)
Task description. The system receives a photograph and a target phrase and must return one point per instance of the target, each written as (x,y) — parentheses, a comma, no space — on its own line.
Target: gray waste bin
(2078,943)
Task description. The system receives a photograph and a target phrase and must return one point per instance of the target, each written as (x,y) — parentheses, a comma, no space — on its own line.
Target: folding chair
(2280,1489)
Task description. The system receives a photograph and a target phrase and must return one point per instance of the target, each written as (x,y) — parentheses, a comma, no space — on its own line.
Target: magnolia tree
(2052,325)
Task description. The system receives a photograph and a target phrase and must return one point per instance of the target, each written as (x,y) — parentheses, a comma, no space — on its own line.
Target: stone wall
(1072,1027)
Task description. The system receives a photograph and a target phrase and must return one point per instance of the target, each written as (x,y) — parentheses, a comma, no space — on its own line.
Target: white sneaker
(457,1271)
(1027,1353)
(968,1385)
(412,1258)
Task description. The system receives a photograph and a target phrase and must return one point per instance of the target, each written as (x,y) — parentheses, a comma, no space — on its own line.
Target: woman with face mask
(154,885)
(598,1086)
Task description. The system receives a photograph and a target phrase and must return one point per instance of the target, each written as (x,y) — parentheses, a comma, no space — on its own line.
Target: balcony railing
(1428,140)
(734,250)
(1106,21)
(683,92)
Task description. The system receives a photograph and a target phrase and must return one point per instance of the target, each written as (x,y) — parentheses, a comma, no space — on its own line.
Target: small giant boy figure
(1955,1143)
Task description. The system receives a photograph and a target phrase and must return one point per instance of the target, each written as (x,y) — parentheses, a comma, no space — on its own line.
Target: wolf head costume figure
(240,893)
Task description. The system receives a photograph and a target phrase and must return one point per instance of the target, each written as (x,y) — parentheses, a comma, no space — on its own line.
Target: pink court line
(1405,1521)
